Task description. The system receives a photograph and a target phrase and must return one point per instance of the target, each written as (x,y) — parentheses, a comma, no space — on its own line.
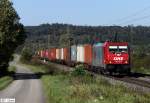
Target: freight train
(108,57)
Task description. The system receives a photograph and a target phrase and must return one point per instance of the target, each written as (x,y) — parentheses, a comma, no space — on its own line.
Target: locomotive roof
(116,43)
(98,44)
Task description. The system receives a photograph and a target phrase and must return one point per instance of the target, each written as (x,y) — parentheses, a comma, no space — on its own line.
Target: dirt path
(27,88)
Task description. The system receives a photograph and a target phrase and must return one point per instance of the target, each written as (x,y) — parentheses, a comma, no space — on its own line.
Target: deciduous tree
(11,33)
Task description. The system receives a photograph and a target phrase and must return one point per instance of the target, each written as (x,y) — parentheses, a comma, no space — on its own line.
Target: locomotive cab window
(113,49)
(123,49)
(118,49)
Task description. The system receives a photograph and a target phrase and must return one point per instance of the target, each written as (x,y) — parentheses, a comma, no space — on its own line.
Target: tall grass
(141,64)
(81,87)
(5,81)
(12,69)
(66,89)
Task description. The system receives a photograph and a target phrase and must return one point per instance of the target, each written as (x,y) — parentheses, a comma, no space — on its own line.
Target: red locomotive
(117,57)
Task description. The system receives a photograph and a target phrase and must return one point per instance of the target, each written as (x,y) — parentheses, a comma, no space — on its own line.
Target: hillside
(49,35)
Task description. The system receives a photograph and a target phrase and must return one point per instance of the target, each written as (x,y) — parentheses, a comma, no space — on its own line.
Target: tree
(26,55)
(66,39)
(11,33)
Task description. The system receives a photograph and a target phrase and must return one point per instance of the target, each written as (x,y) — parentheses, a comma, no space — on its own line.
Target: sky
(84,12)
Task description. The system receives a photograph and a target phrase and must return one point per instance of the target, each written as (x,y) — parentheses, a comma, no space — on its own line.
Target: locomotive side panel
(98,55)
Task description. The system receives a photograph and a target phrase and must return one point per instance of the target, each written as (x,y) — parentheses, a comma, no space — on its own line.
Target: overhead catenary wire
(135,19)
(134,14)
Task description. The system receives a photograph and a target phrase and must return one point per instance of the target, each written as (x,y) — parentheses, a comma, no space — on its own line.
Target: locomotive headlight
(110,62)
(104,61)
(126,62)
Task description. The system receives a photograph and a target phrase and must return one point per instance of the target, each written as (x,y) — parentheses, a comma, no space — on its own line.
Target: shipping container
(61,54)
(46,53)
(38,53)
(67,55)
(74,53)
(42,53)
(57,54)
(80,53)
(52,54)
(98,55)
(88,54)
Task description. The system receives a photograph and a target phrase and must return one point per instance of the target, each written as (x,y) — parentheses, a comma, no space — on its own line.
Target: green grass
(6,80)
(41,68)
(38,68)
(141,64)
(67,88)
(141,70)
(12,69)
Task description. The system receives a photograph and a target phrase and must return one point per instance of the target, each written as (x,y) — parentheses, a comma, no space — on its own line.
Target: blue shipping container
(74,53)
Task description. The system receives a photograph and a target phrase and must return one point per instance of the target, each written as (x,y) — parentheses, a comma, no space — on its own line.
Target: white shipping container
(57,53)
(42,54)
(62,54)
(80,53)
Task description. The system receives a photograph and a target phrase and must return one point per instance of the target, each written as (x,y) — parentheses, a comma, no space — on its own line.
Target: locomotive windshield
(118,49)
(113,49)
(123,49)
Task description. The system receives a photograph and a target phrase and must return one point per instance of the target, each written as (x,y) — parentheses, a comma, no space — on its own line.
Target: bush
(26,55)
(141,65)
(79,71)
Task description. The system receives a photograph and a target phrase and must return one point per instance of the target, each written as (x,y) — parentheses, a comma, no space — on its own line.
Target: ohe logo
(118,58)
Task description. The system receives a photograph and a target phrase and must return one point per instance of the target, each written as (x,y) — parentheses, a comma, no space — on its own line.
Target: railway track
(136,81)
(141,84)
(138,84)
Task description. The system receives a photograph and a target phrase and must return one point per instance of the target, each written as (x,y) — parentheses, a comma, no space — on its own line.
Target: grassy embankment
(6,80)
(141,64)
(142,70)
(62,87)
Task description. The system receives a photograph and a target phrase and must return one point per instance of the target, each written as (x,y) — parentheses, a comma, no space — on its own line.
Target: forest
(54,35)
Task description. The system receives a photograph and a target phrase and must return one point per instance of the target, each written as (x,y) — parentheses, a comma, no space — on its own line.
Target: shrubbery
(26,55)
(141,60)
(79,70)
